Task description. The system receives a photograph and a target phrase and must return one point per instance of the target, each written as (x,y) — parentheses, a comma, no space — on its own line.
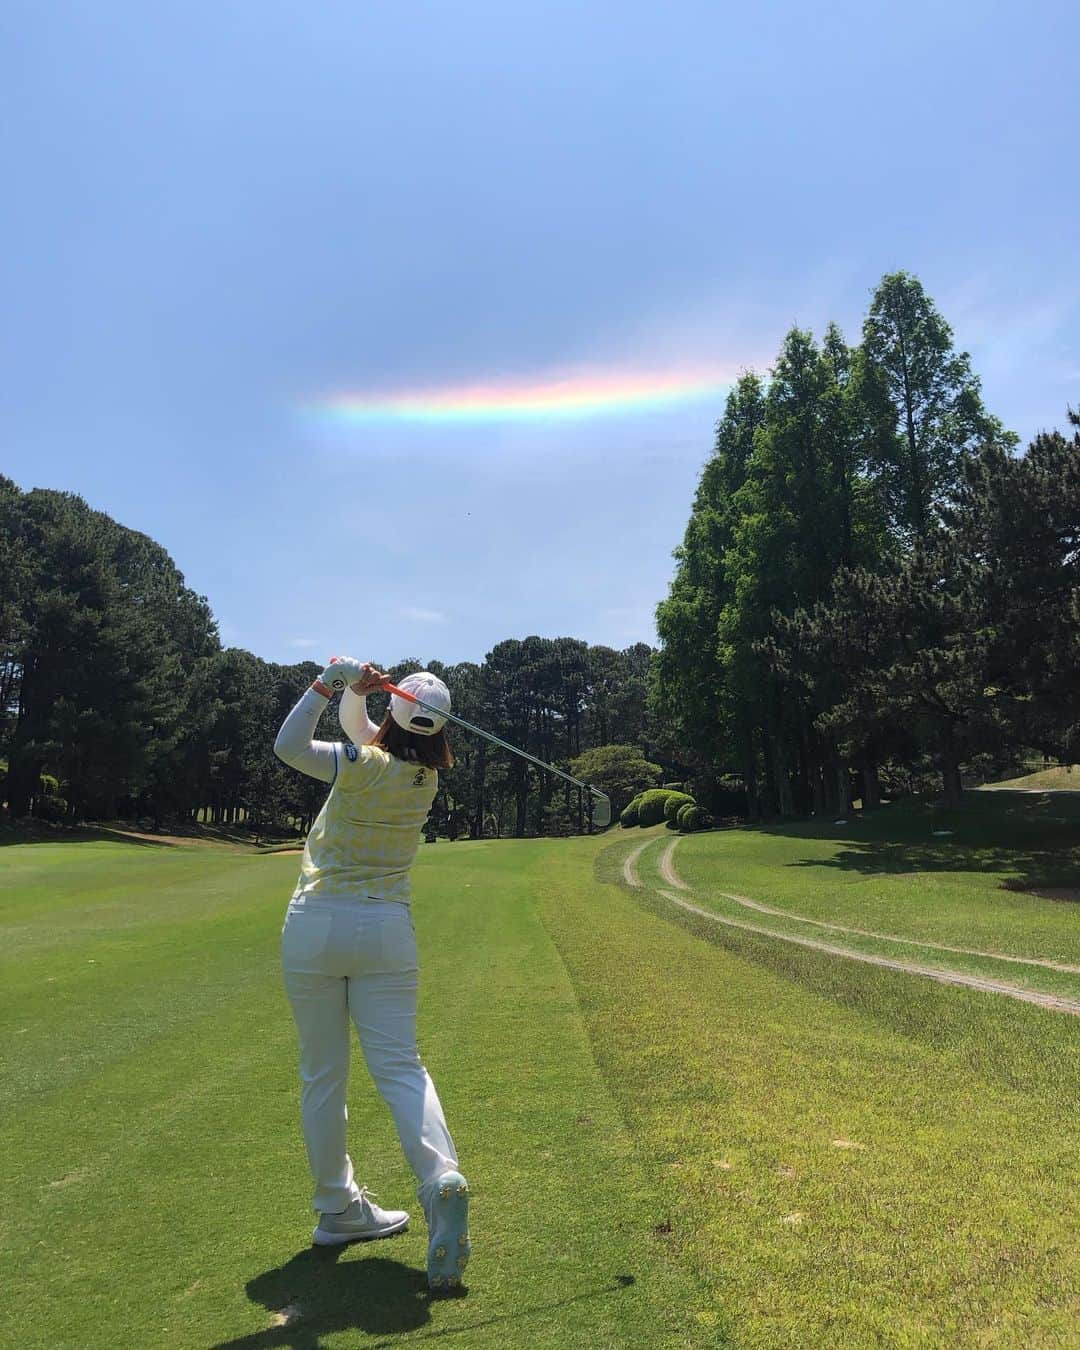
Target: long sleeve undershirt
(295,746)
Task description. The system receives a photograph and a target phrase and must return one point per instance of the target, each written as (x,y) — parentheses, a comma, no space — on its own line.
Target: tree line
(874,591)
(118,701)
(874,594)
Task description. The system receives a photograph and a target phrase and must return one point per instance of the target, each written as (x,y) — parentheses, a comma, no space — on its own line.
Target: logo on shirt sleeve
(351,753)
(418,781)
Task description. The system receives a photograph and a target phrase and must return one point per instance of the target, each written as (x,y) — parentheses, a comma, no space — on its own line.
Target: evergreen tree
(794,525)
(924,405)
(971,646)
(16,585)
(687,686)
(1018,520)
(618,770)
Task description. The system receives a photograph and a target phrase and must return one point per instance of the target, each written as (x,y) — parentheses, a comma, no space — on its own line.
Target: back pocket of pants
(305,936)
(398,943)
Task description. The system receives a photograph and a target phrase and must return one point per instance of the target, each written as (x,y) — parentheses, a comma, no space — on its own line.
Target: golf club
(599,802)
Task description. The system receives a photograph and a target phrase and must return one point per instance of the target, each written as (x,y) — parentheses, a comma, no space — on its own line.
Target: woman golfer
(349,952)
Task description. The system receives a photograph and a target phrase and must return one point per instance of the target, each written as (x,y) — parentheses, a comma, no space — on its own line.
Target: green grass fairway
(675,1136)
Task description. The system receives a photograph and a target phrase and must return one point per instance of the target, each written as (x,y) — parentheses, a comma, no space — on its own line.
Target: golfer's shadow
(314,1293)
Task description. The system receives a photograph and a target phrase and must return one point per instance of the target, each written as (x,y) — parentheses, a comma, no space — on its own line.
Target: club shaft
(495,740)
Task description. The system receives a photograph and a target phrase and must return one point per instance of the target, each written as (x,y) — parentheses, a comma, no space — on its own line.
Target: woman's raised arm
(355,722)
(294,744)
(319,759)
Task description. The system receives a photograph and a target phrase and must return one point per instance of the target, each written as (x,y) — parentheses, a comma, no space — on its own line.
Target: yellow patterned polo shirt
(365,838)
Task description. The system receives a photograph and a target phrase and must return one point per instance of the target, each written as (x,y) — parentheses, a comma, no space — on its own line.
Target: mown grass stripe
(888,871)
(668,871)
(1060,996)
(1054,1002)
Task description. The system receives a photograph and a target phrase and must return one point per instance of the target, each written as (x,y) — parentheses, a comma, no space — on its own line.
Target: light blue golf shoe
(445,1200)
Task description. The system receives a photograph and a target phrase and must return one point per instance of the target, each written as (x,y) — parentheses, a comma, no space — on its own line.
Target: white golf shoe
(363,1221)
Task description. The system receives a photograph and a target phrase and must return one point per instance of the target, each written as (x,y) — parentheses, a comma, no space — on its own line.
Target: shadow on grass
(74,834)
(315,1294)
(170,835)
(1030,836)
(1028,868)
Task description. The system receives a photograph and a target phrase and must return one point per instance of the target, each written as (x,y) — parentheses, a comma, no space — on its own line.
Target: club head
(601,810)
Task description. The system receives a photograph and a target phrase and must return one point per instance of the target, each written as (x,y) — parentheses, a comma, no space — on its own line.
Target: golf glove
(341,672)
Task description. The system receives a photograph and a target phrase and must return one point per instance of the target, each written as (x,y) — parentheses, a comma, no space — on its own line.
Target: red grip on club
(401,693)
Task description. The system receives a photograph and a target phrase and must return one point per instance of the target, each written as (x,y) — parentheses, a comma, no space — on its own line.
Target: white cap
(431,690)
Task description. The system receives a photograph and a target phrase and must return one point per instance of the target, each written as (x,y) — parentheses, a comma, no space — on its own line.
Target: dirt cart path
(1052,1002)
(671,876)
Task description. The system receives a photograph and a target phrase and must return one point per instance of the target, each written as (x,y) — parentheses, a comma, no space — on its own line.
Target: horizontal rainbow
(552,398)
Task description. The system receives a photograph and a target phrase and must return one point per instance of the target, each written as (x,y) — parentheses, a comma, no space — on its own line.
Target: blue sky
(213,212)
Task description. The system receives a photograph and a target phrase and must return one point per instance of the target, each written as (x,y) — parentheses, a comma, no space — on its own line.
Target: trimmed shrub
(681,815)
(694,817)
(651,806)
(672,805)
(629,813)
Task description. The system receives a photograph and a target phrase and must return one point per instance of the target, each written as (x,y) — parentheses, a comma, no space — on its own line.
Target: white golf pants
(356,959)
